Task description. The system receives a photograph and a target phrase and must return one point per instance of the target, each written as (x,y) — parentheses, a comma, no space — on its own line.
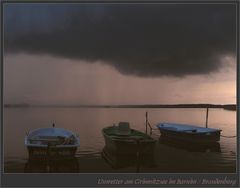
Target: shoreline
(224,106)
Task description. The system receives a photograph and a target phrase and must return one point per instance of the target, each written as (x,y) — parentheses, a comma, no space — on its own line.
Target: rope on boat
(152,127)
(149,125)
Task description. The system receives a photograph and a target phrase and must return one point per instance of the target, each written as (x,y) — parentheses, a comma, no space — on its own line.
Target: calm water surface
(88,123)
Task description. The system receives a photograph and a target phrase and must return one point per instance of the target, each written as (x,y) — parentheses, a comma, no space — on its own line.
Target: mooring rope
(151,126)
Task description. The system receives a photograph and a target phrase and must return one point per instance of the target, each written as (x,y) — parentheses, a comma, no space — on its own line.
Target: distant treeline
(225,106)
(23,105)
(230,107)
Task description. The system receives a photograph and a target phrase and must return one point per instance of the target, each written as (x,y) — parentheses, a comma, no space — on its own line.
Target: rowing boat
(51,142)
(189,133)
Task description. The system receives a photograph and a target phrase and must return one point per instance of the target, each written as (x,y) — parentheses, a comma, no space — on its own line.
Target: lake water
(88,123)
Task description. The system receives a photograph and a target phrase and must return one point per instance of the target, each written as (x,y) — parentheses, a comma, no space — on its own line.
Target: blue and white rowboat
(51,142)
(189,133)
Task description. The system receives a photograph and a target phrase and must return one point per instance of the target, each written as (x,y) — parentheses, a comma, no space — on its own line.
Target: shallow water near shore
(169,157)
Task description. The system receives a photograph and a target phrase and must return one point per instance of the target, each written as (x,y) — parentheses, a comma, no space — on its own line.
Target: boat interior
(52,140)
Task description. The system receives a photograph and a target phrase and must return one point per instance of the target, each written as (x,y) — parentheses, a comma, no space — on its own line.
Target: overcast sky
(119,53)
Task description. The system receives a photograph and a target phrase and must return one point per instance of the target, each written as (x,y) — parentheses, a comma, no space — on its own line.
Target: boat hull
(123,147)
(135,143)
(51,153)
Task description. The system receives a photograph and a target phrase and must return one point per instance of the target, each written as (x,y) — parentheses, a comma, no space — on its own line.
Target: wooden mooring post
(146,122)
(148,125)
(207,119)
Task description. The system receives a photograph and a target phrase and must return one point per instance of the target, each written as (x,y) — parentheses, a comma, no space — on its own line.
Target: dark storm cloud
(139,39)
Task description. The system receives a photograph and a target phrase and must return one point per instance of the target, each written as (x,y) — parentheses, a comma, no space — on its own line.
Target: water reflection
(52,166)
(89,124)
(137,161)
(191,147)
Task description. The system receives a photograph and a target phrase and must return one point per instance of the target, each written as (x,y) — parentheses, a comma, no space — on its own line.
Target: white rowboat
(51,142)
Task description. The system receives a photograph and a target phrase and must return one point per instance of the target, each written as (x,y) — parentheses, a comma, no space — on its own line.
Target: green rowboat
(121,140)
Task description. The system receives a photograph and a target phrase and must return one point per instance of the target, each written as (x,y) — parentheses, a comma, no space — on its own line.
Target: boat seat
(123,128)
